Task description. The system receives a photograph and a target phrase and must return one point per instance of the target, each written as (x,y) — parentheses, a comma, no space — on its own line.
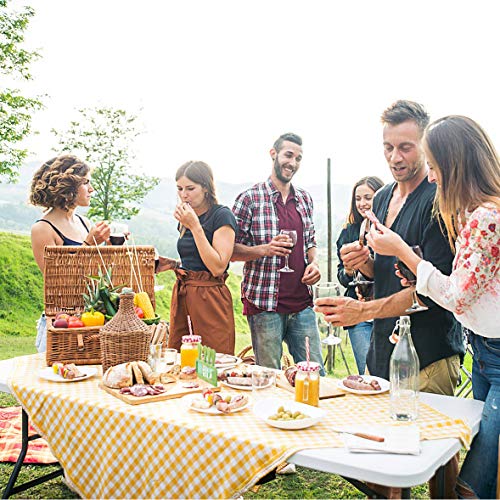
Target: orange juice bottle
(189,350)
(307,383)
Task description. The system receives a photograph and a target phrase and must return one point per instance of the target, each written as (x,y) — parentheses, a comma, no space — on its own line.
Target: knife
(371,437)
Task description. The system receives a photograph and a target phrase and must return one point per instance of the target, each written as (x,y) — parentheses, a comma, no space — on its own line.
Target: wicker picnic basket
(125,337)
(65,280)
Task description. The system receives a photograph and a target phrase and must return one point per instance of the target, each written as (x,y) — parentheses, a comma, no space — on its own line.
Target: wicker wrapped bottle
(125,337)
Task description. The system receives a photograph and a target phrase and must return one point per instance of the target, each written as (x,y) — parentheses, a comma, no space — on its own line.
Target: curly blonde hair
(56,183)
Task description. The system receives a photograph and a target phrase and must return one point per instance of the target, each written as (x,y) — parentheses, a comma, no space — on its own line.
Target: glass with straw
(307,380)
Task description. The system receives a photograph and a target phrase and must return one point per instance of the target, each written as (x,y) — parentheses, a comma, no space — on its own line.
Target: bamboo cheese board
(175,390)
(328,387)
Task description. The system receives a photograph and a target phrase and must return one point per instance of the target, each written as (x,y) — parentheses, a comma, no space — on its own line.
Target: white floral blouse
(472,291)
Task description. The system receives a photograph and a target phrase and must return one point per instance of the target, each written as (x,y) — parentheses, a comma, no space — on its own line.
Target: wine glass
(118,232)
(322,290)
(412,280)
(359,279)
(292,234)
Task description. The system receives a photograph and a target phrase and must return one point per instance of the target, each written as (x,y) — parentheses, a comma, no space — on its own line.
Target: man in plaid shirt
(278,305)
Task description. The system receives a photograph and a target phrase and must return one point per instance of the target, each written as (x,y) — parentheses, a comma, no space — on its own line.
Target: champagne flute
(322,290)
(412,280)
(292,234)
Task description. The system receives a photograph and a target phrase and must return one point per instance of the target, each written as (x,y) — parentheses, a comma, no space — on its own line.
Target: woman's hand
(384,241)
(98,233)
(166,264)
(185,214)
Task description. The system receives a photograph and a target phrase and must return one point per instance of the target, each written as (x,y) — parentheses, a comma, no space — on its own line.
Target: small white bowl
(267,407)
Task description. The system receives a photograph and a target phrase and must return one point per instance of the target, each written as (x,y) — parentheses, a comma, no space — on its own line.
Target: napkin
(404,440)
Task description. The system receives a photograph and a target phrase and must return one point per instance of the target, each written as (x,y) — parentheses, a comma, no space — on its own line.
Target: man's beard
(279,175)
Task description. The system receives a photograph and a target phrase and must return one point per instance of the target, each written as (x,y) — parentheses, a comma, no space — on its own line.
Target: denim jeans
(360,336)
(270,329)
(479,471)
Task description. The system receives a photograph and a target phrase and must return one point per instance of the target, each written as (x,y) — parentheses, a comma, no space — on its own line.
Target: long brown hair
(374,183)
(468,167)
(199,173)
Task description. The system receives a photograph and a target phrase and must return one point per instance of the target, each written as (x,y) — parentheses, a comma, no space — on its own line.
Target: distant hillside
(21,290)
(155,224)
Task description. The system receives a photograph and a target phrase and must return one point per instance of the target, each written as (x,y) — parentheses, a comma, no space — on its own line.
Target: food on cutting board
(358,383)
(283,414)
(188,373)
(140,390)
(223,403)
(134,372)
(69,371)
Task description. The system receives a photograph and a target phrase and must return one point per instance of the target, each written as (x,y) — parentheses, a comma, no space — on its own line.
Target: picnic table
(110,449)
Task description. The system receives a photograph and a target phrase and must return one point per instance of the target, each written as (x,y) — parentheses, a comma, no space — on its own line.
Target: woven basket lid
(125,320)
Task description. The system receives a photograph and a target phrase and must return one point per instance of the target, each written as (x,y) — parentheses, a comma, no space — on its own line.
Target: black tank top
(66,241)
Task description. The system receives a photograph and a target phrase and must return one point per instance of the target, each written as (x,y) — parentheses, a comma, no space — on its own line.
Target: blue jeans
(360,336)
(479,471)
(270,329)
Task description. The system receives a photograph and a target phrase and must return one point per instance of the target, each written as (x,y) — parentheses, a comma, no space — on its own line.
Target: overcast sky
(221,80)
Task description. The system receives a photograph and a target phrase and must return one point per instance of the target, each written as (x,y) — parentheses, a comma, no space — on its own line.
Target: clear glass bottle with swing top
(307,383)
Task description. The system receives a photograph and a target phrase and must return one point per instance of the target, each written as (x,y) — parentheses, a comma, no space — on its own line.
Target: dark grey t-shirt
(436,333)
(217,217)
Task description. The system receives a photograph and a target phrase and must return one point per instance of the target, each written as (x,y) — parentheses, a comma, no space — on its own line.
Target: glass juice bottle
(189,350)
(307,383)
(404,375)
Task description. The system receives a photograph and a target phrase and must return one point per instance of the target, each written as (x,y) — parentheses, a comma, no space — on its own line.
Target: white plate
(48,374)
(267,407)
(229,361)
(212,410)
(384,386)
(239,387)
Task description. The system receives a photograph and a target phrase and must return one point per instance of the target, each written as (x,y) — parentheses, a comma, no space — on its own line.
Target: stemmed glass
(292,234)
(118,232)
(322,290)
(359,280)
(412,280)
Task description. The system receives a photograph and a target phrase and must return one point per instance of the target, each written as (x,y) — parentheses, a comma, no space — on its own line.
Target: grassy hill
(21,297)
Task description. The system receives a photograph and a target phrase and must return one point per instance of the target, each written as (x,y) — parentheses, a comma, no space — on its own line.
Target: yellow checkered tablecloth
(110,449)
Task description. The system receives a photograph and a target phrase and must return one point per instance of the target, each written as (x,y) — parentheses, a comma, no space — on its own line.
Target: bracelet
(86,243)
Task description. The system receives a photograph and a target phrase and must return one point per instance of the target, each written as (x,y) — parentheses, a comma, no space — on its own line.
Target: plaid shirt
(257,221)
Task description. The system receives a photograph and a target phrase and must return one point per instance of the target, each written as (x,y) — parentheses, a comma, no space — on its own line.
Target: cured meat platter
(175,390)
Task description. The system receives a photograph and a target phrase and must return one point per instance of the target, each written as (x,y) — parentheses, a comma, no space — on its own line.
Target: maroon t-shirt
(293,295)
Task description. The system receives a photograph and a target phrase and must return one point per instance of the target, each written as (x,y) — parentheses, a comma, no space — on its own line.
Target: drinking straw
(307,351)
(190,326)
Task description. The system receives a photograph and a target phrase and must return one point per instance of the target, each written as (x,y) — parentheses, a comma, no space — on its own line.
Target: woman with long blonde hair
(464,164)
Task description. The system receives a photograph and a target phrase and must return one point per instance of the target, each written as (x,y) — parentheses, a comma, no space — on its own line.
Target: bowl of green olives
(288,415)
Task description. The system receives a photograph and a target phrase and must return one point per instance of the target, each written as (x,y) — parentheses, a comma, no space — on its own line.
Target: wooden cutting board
(328,387)
(173,391)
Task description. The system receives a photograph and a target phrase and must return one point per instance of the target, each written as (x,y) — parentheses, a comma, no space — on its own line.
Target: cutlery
(363,435)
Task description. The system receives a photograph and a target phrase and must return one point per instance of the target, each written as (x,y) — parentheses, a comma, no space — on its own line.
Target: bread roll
(118,376)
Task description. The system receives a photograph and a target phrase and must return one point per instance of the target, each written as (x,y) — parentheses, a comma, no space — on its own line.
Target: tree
(15,109)
(103,138)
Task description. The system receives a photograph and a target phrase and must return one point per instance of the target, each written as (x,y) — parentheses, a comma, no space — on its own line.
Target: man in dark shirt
(278,305)
(405,206)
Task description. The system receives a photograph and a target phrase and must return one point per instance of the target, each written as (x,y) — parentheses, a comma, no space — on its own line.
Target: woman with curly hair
(61,185)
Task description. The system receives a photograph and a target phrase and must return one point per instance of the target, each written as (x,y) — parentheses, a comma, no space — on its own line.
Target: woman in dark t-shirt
(206,239)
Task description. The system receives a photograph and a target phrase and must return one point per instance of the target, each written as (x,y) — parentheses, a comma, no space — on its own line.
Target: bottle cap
(404,321)
(191,339)
(304,366)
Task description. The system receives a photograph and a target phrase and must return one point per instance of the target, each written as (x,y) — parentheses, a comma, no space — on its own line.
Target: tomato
(75,322)
(139,312)
(93,318)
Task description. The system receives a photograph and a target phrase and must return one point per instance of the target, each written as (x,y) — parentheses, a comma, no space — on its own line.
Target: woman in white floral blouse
(464,164)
